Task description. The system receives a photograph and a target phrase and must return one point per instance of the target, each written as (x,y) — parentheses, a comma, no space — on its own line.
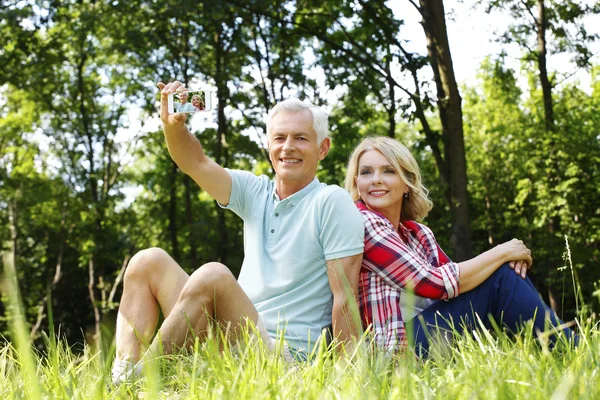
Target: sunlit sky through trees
(472,33)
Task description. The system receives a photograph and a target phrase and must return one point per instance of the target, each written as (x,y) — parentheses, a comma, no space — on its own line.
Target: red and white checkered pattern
(391,266)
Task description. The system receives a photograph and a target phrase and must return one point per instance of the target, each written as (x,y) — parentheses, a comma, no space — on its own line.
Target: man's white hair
(320,123)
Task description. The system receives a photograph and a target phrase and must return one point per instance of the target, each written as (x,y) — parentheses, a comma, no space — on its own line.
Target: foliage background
(86,180)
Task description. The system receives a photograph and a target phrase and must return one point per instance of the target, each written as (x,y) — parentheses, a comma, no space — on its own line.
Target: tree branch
(96,335)
(113,290)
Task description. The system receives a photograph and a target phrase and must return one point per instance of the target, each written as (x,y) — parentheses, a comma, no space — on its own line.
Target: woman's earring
(406,195)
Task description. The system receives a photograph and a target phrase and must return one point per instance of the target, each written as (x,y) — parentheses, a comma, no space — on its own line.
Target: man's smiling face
(293,147)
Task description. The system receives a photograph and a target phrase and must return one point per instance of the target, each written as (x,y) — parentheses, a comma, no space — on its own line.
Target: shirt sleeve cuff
(345,253)
(234,189)
(451,274)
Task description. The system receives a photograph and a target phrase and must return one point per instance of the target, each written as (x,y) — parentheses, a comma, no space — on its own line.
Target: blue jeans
(504,297)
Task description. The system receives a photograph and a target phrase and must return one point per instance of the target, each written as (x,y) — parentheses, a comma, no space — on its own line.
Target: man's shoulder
(331,202)
(246,186)
(327,193)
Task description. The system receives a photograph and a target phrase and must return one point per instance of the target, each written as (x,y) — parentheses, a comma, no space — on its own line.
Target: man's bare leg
(210,293)
(152,280)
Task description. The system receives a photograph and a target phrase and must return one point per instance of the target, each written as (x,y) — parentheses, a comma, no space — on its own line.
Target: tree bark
(221,84)
(450,110)
(391,110)
(64,234)
(546,85)
(91,284)
(14,229)
(541,24)
(190,222)
(86,131)
(173,231)
(189,214)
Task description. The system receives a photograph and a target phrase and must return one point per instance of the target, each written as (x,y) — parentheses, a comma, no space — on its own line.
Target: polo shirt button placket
(275,223)
(272,229)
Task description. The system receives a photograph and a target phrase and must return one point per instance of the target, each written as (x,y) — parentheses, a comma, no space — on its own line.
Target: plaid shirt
(391,266)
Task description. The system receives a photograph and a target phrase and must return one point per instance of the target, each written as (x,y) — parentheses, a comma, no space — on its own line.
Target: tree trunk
(391,111)
(554,221)
(546,85)
(64,234)
(173,211)
(13,226)
(91,284)
(221,84)
(190,222)
(450,109)
(189,215)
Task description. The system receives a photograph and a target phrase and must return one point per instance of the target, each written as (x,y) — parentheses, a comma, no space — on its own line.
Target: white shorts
(273,344)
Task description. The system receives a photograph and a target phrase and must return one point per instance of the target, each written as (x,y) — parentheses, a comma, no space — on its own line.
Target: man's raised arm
(185,149)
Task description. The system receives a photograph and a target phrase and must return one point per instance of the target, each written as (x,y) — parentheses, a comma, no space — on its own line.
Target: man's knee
(212,274)
(145,263)
(208,280)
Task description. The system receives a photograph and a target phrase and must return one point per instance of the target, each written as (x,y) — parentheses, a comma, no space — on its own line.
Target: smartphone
(191,101)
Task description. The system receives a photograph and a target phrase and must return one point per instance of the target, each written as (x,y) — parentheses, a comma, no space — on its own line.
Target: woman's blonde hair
(417,205)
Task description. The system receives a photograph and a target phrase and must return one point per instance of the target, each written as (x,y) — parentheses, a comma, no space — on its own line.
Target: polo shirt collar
(299,195)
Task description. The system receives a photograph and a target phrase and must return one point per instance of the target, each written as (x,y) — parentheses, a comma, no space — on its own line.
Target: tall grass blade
(19,331)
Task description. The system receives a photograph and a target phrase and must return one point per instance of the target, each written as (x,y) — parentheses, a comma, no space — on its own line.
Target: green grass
(476,366)
(481,365)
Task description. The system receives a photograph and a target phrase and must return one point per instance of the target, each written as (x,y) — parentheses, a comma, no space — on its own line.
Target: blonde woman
(402,255)
(197,102)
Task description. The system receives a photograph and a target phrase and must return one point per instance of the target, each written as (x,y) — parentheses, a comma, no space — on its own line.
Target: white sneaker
(125,371)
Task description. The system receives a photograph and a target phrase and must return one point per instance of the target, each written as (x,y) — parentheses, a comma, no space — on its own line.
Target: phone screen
(190,102)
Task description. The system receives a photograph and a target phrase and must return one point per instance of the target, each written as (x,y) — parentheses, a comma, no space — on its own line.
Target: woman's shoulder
(374,220)
(418,229)
(416,226)
(368,214)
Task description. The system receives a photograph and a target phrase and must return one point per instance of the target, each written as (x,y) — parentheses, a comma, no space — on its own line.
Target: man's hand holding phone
(185,101)
(166,92)
(185,148)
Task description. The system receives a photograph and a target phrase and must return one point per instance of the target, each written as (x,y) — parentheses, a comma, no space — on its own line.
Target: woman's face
(196,100)
(380,186)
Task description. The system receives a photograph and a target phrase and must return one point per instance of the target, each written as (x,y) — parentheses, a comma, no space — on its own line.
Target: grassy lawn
(482,365)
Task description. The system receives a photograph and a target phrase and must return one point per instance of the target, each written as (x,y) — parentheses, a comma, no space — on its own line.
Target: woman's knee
(503,271)
(501,277)
(506,277)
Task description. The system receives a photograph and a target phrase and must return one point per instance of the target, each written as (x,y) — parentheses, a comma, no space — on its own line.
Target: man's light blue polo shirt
(286,246)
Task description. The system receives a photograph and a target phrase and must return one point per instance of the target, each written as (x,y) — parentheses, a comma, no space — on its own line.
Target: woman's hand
(476,270)
(518,256)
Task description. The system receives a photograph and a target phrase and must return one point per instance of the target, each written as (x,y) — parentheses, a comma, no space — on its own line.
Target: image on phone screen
(190,102)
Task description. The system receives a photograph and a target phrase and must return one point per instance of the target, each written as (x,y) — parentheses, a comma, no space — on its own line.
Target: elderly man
(303,244)
(183,106)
